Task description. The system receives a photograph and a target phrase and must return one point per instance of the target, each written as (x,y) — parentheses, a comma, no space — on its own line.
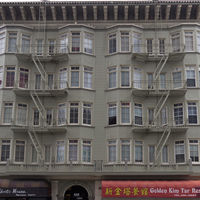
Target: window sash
(34,155)
(176,43)
(74,114)
(19,151)
(12,43)
(151,154)
(88,43)
(112,151)
(112,43)
(74,78)
(180,153)
(75,42)
(62,114)
(165,158)
(86,152)
(178,114)
(88,79)
(10,78)
(8,109)
(112,79)
(177,79)
(137,43)
(2,42)
(22,114)
(125,78)
(125,42)
(60,151)
(125,151)
(112,114)
(125,114)
(87,114)
(190,76)
(64,44)
(192,113)
(26,42)
(138,152)
(63,78)
(5,150)
(73,150)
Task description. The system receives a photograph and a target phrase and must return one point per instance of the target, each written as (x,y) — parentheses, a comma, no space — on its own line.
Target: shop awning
(24,188)
(170,189)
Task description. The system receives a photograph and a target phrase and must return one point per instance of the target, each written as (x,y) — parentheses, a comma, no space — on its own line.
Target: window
(112,77)
(125,150)
(64,44)
(137,42)
(190,76)
(180,151)
(124,41)
(162,81)
(178,114)
(87,113)
(87,78)
(2,42)
(26,42)
(189,41)
(47,153)
(5,150)
(86,151)
(19,150)
(199,76)
(38,81)
(63,78)
(137,78)
(74,76)
(34,155)
(36,117)
(60,151)
(164,116)
(112,114)
(12,42)
(73,150)
(21,114)
(149,46)
(49,116)
(138,114)
(23,77)
(151,116)
(1,76)
(151,153)
(75,42)
(138,151)
(74,107)
(198,41)
(39,47)
(62,114)
(112,151)
(176,42)
(161,46)
(150,81)
(177,79)
(165,158)
(7,113)
(88,43)
(192,113)
(194,150)
(125,112)
(112,43)
(51,46)
(10,76)
(125,77)
(50,82)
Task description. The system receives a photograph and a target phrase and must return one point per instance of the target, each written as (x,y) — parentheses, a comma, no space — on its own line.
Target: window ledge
(80,125)
(81,53)
(81,88)
(117,88)
(118,52)
(117,125)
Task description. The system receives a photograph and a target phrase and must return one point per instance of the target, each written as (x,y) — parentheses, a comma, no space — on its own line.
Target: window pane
(60,151)
(21,114)
(73,150)
(112,43)
(178,113)
(2,42)
(5,150)
(88,43)
(112,114)
(61,114)
(7,117)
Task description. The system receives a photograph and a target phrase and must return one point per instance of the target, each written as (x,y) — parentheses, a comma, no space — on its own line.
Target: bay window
(75,42)
(26,43)
(189,46)
(125,112)
(176,42)
(64,44)
(74,116)
(190,76)
(125,76)
(12,42)
(124,41)
(137,42)
(75,76)
(88,43)
(87,113)
(63,78)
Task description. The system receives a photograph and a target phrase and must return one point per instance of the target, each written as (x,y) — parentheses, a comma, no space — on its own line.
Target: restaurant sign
(169,189)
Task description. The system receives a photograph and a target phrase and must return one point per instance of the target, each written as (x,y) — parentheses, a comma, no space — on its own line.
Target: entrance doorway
(76,192)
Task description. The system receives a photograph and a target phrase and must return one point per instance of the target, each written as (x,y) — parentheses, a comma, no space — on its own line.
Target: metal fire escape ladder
(35,141)
(39,67)
(159,67)
(161,143)
(39,105)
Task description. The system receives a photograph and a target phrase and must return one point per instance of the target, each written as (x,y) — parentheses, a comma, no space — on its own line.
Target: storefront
(24,190)
(187,189)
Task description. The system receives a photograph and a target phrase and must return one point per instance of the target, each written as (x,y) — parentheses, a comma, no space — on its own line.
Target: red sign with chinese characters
(168,189)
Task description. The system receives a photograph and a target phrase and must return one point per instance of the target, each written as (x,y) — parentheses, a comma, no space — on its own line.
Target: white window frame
(50,153)
(149,49)
(14,50)
(63,80)
(24,151)
(125,69)
(153,155)
(179,154)
(177,81)
(33,115)
(125,105)
(112,70)
(27,108)
(162,48)
(32,151)
(12,112)
(137,42)
(74,105)
(10,69)
(190,68)
(176,38)
(75,34)
(112,36)
(194,142)
(136,105)
(161,118)
(141,145)
(24,71)
(87,143)
(193,104)
(64,43)
(178,105)
(198,41)
(76,69)
(124,35)
(167,146)
(60,143)
(77,146)
(112,106)
(86,105)
(24,49)
(51,47)
(10,149)
(88,84)
(61,124)
(52,118)
(39,50)
(113,143)
(88,41)
(38,85)
(190,47)
(2,42)
(1,76)
(137,78)
(130,149)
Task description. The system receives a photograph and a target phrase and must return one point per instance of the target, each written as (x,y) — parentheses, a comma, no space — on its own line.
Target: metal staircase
(35,141)
(161,143)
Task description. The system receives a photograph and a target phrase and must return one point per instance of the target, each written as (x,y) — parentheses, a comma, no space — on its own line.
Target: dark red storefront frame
(162,189)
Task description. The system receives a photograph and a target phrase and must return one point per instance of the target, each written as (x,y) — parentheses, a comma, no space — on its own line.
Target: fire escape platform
(158,129)
(42,93)
(57,57)
(47,129)
(145,57)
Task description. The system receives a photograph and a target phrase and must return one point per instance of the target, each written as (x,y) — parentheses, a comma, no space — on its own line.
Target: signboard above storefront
(169,189)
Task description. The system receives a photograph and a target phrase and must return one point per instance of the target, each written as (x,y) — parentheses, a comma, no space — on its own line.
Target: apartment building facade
(100,100)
